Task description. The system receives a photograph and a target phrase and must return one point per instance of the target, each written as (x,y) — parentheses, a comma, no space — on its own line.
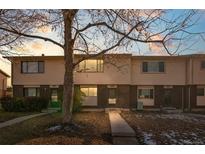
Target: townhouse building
(117,80)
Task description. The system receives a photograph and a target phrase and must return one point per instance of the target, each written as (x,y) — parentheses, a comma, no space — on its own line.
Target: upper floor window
(203,64)
(153,67)
(91,65)
(32,67)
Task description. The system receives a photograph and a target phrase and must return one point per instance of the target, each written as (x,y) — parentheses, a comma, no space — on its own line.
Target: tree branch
(105,50)
(32,36)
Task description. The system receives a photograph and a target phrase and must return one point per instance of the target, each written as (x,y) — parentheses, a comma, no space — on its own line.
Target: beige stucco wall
(200,101)
(128,71)
(116,71)
(53,75)
(174,73)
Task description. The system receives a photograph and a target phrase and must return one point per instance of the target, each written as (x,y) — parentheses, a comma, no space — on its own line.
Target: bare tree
(94,33)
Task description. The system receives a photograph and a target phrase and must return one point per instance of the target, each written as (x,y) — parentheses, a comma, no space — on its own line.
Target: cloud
(150,13)
(21,48)
(37,46)
(44,29)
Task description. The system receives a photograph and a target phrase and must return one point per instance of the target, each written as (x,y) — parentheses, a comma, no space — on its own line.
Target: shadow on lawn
(88,129)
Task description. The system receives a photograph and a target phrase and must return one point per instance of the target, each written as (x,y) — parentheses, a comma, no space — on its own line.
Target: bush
(78,99)
(7,103)
(28,104)
(18,105)
(36,103)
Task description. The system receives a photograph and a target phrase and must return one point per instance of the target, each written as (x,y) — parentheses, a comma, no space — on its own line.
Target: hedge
(28,104)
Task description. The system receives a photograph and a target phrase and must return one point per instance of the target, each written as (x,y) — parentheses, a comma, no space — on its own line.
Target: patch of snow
(178,116)
(54,128)
(185,138)
(148,138)
(171,137)
(183,141)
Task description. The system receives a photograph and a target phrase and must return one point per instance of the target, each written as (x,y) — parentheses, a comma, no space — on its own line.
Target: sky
(38,47)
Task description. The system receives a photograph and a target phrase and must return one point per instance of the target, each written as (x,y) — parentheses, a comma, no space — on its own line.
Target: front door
(167,97)
(112,94)
(54,98)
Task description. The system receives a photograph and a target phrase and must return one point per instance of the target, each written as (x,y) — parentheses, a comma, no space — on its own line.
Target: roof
(4,73)
(61,56)
(120,54)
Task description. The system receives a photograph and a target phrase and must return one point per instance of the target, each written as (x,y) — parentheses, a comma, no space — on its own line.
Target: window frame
(197,93)
(202,63)
(150,89)
(99,66)
(153,72)
(88,87)
(38,63)
(37,91)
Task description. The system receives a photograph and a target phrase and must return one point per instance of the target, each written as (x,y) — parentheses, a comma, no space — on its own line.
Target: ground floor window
(145,93)
(32,92)
(200,91)
(89,90)
(200,96)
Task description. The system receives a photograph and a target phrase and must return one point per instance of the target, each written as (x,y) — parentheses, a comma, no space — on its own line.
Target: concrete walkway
(122,133)
(21,119)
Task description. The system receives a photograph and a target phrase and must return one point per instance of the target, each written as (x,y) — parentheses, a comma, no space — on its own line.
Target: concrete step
(171,110)
(117,110)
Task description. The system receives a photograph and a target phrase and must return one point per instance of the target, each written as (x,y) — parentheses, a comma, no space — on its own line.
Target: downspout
(191,81)
(183,99)
(189,99)
(183,88)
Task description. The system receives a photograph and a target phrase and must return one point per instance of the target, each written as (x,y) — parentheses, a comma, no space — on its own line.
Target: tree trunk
(69,67)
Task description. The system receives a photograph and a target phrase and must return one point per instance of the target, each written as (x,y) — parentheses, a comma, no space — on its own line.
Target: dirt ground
(92,128)
(175,128)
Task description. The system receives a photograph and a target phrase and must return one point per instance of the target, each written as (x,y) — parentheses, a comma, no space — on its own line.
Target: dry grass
(95,130)
(5,116)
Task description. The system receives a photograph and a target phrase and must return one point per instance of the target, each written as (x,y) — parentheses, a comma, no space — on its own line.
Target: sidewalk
(21,119)
(122,133)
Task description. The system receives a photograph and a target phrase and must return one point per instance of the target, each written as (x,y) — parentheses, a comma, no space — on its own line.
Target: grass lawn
(159,128)
(5,116)
(94,129)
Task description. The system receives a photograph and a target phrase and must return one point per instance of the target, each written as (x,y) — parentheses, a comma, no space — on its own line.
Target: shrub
(19,105)
(78,99)
(24,104)
(36,103)
(7,103)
